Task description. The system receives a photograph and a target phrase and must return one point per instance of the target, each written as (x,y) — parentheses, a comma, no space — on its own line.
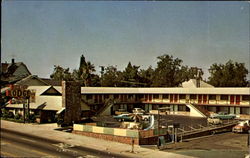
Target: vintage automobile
(242,127)
(223,116)
(138,111)
(214,121)
(124,117)
(121,111)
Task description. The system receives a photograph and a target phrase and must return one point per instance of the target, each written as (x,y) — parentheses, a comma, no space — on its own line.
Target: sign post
(21,92)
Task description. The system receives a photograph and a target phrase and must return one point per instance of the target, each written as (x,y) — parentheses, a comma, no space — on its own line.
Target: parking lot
(230,145)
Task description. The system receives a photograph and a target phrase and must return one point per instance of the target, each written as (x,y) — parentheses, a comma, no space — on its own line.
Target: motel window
(246,97)
(89,96)
(106,96)
(224,97)
(182,96)
(141,96)
(193,96)
(130,96)
(116,96)
(156,96)
(212,97)
(165,96)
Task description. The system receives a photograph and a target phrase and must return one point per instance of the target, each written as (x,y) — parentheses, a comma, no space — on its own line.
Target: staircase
(197,111)
(108,103)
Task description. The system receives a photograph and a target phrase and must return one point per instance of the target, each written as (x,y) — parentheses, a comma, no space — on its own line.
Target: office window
(224,97)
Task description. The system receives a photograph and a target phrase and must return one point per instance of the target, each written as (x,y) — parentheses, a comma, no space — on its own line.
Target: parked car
(123,117)
(121,111)
(242,127)
(214,121)
(138,111)
(223,116)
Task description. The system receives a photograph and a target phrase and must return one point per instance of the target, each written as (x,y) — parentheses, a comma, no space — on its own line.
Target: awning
(60,111)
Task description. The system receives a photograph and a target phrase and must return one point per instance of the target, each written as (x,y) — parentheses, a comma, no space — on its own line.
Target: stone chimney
(12,61)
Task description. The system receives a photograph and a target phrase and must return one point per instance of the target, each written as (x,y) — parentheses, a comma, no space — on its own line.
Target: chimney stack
(12,61)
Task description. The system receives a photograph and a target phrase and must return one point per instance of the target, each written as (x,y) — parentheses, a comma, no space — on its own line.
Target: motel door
(232,99)
(199,99)
(150,97)
(171,98)
(176,98)
(204,99)
(237,99)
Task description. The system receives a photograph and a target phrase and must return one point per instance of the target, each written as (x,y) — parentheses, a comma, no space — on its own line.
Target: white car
(138,111)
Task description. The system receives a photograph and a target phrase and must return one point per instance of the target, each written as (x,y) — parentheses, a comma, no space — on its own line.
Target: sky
(46,33)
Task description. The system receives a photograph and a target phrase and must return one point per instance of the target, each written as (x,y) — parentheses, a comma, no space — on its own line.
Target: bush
(32,118)
(10,115)
(17,116)
(5,113)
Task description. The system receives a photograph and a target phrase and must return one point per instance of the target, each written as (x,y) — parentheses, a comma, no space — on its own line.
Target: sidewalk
(47,131)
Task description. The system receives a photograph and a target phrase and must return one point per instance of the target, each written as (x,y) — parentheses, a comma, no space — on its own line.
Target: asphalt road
(15,144)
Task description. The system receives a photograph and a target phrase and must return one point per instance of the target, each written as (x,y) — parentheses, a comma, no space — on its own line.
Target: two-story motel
(232,100)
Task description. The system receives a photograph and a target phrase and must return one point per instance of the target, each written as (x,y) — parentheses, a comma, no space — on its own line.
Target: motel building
(206,98)
(106,100)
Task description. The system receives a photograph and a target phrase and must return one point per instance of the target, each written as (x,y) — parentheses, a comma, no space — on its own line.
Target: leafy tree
(95,81)
(110,77)
(231,74)
(169,72)
(130,76)
(85,71)
(60,74)
(147,76)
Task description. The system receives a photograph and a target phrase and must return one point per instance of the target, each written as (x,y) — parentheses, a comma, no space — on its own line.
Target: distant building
(13,72)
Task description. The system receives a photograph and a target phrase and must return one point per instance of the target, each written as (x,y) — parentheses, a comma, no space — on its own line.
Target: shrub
(17,116)
(5,113)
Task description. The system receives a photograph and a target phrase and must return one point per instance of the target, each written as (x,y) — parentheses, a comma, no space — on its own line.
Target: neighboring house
(13,72)
(46,102)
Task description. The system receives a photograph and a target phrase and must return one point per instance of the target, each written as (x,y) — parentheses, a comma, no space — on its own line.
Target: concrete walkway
(47,131)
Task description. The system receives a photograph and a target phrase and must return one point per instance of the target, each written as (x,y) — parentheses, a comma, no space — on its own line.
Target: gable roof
(51,91)
(52,82)
(27,81)
(10,68)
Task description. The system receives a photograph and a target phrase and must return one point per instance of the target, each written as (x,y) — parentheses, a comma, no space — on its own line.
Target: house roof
(10,68)
(52,82)
(27,80)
